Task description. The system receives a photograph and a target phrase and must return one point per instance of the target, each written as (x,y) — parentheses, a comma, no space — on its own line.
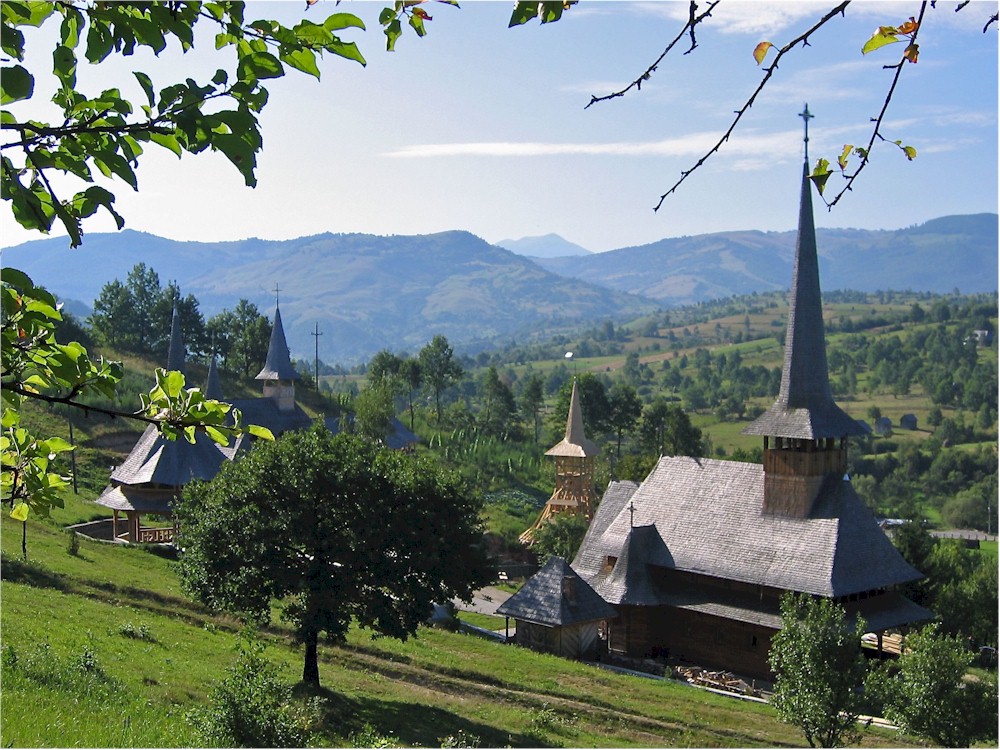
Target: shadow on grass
(31,573)
(411,724)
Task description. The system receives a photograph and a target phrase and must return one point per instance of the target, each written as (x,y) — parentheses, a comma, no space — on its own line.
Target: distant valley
(371,292)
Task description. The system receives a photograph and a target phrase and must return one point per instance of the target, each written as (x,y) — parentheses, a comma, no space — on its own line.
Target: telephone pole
(316,334)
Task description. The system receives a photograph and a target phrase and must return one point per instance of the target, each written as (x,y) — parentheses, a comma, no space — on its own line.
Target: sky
(483,128)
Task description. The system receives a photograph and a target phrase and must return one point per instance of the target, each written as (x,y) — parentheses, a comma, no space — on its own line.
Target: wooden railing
(156,535)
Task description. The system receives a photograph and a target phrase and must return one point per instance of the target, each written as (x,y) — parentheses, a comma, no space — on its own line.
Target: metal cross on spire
(276,290)
(631,514)
(806,116)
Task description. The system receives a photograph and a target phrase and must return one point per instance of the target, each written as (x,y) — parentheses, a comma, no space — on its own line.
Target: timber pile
(720,680)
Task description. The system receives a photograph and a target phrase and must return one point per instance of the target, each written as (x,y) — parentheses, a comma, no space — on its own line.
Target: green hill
(100,649)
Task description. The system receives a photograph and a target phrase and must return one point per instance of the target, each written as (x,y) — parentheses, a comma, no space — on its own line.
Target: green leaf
(168,141)
(301,59)
(16,84)
(147,85)
(259,66)
(911,153)
(347,50)
(20,512)
(523,12)
(879,39)
(339,21)
(393,30)
(821,174)
(258,431)
(417,24)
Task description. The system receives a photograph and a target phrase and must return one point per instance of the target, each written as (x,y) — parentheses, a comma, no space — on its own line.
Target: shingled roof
(278,365)
(805,407)
(575,444)
(703,516)
(556,596)
(155,459)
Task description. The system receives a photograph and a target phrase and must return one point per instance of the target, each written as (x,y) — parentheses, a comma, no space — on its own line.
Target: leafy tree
(110,318)
(143,285)
(929,696)
(561,537)
(249,338)
(413,377)
(819,667)
(439,368)
(498,406)
(667,430)
(336,527)
(374,410)
(384,366)
(625,410)
(532,400)
(593,403)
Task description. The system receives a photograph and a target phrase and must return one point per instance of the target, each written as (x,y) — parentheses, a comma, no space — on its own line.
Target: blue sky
(483,128)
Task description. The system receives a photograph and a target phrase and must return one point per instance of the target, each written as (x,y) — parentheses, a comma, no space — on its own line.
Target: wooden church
(695,559)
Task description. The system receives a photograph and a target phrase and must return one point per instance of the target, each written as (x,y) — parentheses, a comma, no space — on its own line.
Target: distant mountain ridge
(366,292)
(545,246)
(371,292)
(937,256)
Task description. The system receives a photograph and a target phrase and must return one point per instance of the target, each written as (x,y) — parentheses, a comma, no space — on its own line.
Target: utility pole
(316,334)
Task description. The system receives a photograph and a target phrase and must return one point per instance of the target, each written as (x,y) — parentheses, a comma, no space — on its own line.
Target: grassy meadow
(101,649)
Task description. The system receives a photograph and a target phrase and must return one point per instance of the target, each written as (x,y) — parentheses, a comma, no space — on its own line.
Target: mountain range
(369,292)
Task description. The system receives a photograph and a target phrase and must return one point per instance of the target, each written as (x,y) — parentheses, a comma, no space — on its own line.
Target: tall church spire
(805,432)
(805,407)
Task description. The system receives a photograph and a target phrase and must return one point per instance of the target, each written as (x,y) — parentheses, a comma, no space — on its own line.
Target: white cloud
(693,144)
(742,17)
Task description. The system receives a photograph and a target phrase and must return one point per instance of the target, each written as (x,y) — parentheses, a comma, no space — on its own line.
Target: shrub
(251,708)
(369,737)
(73,543)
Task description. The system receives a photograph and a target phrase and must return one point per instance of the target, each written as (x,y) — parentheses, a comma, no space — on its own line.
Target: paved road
(485,601)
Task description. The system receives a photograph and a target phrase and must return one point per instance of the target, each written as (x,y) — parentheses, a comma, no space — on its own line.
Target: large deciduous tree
(335,528)
(667,430)
(439,369)
(820,668)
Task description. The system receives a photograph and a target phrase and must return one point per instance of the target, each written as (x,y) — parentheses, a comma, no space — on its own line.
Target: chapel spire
(213,386)
(278,374)
(175,351)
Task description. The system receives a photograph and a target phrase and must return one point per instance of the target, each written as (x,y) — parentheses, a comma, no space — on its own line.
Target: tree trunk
(310,670)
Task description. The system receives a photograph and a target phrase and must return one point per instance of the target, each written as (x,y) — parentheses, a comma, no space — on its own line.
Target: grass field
(101,649)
